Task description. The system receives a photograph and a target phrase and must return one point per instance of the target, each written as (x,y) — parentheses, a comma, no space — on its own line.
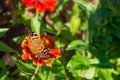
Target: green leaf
(78,62)
(89,73)
(18,21)
(118,67)
(84,26)
(60,42)
(3,75)
(67,35)
(3,31)
(61,4)
(47,28)
(6,48)
(2,64)
(76,9)
(35,25)
(41,76)
(25,67)
(77,73)
(102,57)
(19,39)
(104,74)
(75,22)
(104,12)
(88,6)
(58,67)
(76,44)
(3,71)
(49,76)
(114,29)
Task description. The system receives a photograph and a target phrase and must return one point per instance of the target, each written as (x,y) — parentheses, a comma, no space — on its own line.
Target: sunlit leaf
(104,74)
(35,25)
(41,76)
(19,39)
(89,73)
(74,24)
(3,31)
(78,62)
(87,5)
(76,44)
(84,26)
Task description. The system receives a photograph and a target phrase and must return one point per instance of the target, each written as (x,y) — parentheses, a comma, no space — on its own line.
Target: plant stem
(36,70)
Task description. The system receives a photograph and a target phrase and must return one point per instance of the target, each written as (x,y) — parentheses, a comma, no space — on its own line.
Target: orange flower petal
(25,42)
(40,8)
(40,62)
(53,2)
(55,50)
(55,56)
(25,56)
(48,63)
(45,60)
(31,56)
(48,40)
(37,62)
(26,51)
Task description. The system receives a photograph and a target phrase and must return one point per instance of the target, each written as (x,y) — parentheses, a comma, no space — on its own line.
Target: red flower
(41,5)
(45,54)
(92,1)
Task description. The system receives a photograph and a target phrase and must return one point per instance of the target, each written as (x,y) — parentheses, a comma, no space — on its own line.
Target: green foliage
(35,25)
(75,20)
(77,44)
(19,39)
(4,71)
(25,67)
(88,35)
(78,62)
(6,48)
(3,31)
(105,74)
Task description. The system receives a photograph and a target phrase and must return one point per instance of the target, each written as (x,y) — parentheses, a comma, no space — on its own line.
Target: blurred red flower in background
(92,1)
(45,55)
(41,5)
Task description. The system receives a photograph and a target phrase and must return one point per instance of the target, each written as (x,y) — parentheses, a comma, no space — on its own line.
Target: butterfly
(37,45)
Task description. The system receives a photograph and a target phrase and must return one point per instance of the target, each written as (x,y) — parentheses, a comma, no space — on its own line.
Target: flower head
(39,49)
(41,5)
